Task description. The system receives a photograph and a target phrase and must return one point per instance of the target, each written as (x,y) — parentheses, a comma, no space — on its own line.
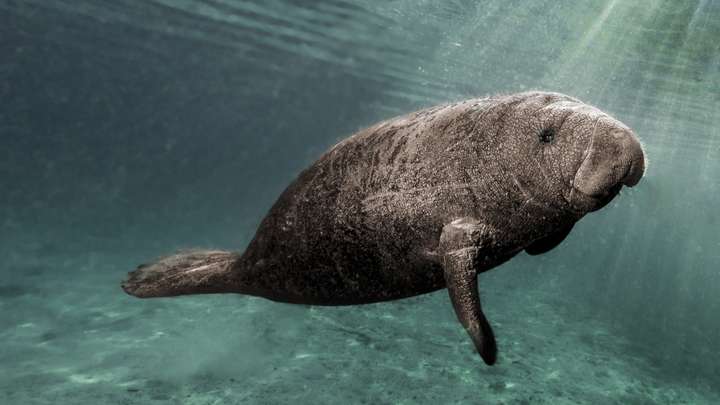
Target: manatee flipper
(192,272)
(549,242)
(461,246)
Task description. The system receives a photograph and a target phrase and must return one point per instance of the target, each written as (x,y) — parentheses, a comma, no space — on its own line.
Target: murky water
(131,129)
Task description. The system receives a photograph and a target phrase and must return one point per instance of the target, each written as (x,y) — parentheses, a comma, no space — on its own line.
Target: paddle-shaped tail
(192,272)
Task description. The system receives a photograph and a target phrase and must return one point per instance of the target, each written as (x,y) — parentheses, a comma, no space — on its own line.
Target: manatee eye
(547,135)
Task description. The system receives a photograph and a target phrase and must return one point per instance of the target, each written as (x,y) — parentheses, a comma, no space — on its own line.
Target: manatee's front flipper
(461,245)
(549,242)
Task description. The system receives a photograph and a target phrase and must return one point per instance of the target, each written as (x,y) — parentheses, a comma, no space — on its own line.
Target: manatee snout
(614,158)
(636,157)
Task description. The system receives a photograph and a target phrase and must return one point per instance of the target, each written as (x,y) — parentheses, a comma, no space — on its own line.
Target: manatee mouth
(605,199)
(583,202)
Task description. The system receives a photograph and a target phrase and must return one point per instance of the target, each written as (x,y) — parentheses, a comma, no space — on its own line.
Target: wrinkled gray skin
(422,202)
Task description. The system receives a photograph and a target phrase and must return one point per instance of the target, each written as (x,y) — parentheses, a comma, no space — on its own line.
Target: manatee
(422,202)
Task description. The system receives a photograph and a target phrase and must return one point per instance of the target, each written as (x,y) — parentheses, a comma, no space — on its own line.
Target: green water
(131,129)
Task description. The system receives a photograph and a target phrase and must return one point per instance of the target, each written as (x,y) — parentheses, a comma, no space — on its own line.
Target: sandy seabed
(71,336)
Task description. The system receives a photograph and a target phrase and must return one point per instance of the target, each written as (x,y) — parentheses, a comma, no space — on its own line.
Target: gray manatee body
(422,202)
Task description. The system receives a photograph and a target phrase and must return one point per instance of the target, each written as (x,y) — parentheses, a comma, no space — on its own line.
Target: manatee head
(565,154)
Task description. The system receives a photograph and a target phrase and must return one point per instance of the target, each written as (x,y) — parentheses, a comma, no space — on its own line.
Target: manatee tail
(190,272)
